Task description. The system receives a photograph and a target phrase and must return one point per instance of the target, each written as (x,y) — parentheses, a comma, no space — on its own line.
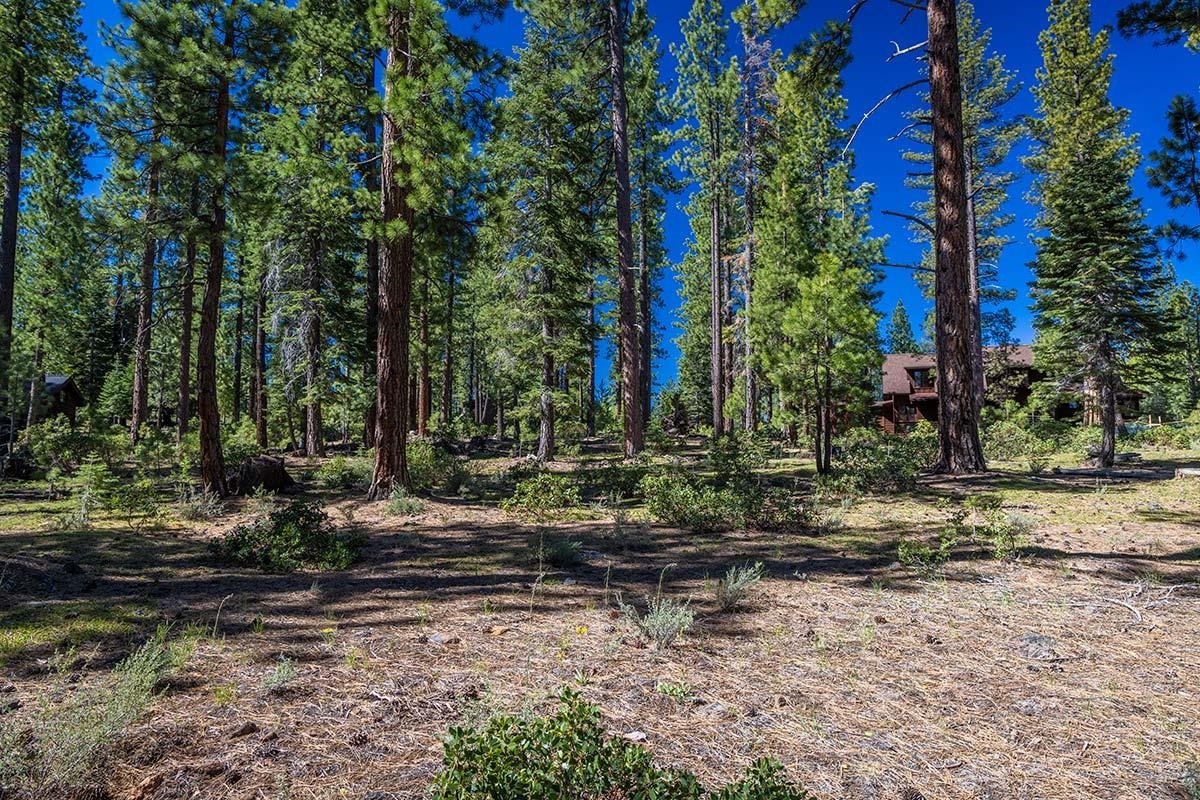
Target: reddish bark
(958,414)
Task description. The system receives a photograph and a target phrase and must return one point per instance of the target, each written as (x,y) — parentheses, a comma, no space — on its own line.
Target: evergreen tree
(1175,166)
(549,156)
(989,134)
(706,98)
(1173,21)
(899,336)
(815,327)
(41,52)
(1096,285)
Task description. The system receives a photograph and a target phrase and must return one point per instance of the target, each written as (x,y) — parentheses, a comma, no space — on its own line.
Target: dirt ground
(1071,672)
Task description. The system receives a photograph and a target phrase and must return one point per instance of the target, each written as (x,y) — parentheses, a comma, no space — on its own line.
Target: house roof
(60,383)
(897,365)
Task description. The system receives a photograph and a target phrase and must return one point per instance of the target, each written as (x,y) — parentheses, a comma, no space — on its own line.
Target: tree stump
(263,472)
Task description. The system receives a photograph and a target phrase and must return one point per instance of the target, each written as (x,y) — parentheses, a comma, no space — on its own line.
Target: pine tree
(42,51)
(1175,166)
(959,406)
(1173,21)
(632,384)
(814,324)
(549,157)
(650,118)
(899,336)
(989,134)
(1096,284)
(707,101)
(55,276)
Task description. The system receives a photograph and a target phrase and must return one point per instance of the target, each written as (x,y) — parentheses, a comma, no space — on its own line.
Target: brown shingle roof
(897,365)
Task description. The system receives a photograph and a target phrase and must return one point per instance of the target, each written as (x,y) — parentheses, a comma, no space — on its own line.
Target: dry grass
(1069,673)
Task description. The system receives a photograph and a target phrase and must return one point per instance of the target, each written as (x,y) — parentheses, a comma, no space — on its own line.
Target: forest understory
(1064,671)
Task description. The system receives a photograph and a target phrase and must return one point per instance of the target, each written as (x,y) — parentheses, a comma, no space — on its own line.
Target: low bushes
(543,493)
(683,502)
(431,468)
(568,754)
(874,462)
(293,537)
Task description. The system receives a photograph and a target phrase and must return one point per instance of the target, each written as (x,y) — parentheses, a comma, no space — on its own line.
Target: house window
(922,378)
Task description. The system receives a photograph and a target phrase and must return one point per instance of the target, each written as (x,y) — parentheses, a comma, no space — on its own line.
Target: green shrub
(431,468)
(682,502)
(736,458)
(63,751)
(555,552)
(568,755)
(543,493)
(402,504)
(344,473)
(928,557)
(295,536)
(135,501)
(875,462)
(776,509)
(737,583)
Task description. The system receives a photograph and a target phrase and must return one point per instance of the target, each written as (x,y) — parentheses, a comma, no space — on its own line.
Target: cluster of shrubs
(980,519)
(295,536)
(543,492)
(869,461)
(569,754)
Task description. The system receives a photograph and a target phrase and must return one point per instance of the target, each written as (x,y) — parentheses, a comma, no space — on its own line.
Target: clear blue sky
(1145,79)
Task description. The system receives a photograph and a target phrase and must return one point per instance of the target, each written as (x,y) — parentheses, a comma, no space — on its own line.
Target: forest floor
(1069,672)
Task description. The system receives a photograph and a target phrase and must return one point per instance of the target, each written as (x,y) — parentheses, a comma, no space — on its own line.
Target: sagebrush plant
(403,504)
(283,674)
(555,552)
(543,493)
(569,755)
(197,504)
(62,752)
(665,618)
(293,537)
(732,589)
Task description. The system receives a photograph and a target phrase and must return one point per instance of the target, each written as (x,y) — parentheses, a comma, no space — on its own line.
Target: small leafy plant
(568,755)
(293,537)
(283,674)
(342,473)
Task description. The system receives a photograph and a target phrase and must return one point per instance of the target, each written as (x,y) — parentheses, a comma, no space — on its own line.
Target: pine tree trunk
(448,368)
(395,287)
(958,412)
(750,159)
(212,463)
(14,148)
(631,380)
(976,299)
(717,382)
(37,382)
(425,381)
(239,338)
(372,298)
(187,304)
(314,423)
(590,412)
(645,324)
(260,365)
(141,344)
